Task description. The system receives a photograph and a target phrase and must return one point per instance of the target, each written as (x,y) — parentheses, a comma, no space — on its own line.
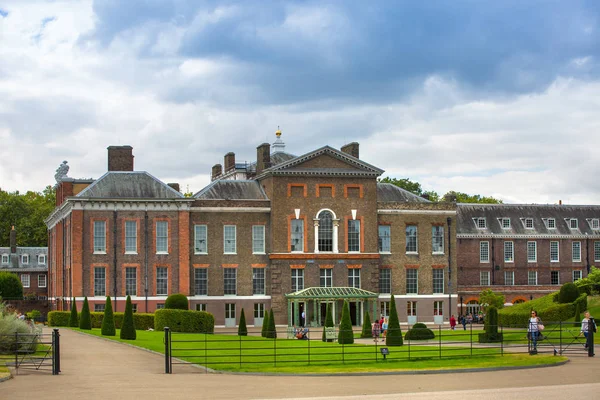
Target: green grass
(224,352)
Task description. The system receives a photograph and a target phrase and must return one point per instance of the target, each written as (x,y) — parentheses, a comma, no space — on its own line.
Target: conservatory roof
(332,293)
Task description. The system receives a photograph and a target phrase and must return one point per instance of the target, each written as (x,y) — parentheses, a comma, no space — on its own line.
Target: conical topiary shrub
(491,334)
(128,326)
(271,331)
(73,318)
(366,328)
(242,330)
(346,335)
(108,321)
(328,323)
(85,320)
(577,316)
(265,325)
(394,334)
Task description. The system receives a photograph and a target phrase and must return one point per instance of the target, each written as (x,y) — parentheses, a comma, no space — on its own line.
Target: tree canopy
(27,213)
(459,197)
(491,299)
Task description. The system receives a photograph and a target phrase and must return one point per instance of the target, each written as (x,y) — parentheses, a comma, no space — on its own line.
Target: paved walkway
(93,368)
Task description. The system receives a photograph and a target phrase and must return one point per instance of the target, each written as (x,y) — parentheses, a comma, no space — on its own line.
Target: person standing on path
(452,322)
(375,329)
(533,331)
(585,328)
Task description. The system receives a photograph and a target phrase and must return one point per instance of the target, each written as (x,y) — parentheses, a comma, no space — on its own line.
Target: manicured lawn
(256,354)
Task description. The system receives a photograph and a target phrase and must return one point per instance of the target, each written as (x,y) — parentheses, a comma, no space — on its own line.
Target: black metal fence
(32,351)
(232,352)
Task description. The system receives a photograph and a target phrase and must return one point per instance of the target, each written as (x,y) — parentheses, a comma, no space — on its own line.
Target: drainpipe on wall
(146,257)
(449,221)
(494,261)
(115,256)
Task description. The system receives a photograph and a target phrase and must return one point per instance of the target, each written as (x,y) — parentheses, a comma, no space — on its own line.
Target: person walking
(452,322)
(586,324)
(463,321)
(375,329)
(533,331)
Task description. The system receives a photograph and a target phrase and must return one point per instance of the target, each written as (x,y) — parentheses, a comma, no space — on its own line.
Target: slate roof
(389,192)
(518,213)
(232,190)
(15,260)
(129,185)
(276,159)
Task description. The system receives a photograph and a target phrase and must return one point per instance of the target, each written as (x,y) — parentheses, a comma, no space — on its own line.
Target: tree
(271,332)
(265,325)
(73,319)
(85,320)
(459,197)
(177,301)
(10,286)
(577,315)
(108,322)
(128,326)
(328,323)
(346,335)
(394,334)
(406,184)
(487,298)
(242,329)
(366,328)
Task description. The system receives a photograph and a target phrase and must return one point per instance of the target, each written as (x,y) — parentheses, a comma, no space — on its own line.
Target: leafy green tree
(460,197)
(433,195)
(128,326)
(366,328)
(328,323)
(394,334)
(491,299)
(265,325)
(73,318)
(85,320)
(272,331)
(108,321)
(346,335)
(404,183)
(10,286)
(242,329)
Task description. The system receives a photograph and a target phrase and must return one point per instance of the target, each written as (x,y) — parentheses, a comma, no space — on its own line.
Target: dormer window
(4,258)
(595,223)
(505,223)
(480,223)
(42,259)
(529,223)
(25,259)
(573,223)
(551,223)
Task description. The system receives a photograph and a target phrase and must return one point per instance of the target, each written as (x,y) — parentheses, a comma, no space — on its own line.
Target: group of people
(301,333)
(463,320)
(534,331)
(379,328)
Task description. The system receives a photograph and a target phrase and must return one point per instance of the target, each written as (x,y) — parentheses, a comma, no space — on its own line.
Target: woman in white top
(533,331)
(585,327)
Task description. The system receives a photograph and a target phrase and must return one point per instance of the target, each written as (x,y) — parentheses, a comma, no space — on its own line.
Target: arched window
(325,231)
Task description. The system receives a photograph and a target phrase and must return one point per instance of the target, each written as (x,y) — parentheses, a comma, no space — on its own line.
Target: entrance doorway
(323,308)
(301,309)
(355,312)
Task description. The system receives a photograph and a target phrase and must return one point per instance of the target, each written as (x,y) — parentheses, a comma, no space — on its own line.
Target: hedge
(547,309)
(177,302)
(142,321)
(419,331)
(184,321)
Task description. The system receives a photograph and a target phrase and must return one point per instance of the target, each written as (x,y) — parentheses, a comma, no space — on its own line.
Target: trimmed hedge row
(548,310)
(143,321)
(419,331)
(184,321)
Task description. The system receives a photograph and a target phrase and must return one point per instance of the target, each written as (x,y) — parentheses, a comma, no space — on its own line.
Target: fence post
(275,349)
(590,339)
(440,339)
(167,351)
(471,337)
(560,325)
(502,340)
(240,351)
(308,336)
(55,352)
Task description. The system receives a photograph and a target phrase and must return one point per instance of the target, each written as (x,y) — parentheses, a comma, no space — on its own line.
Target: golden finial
(278,133)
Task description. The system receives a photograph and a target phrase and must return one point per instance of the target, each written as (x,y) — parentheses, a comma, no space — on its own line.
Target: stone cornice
(500,236)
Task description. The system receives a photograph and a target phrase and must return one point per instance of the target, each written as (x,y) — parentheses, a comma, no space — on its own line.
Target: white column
(316,222)
(336,223)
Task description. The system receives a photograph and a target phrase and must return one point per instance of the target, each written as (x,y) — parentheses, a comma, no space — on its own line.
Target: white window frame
(509,248)
(258,281)
(577,275)
(532,276)
(438,308)
(5,259)
(436,281)
(201,307)
(502,221)
(24,259)
(549,221)
(480,223)
(129,248)
(411,308)
(595,224)
(437,240)
(232,248)
(484,249)
(354,277)
(298,235)
(326,275)
(42,259)
(573,225)
(99,283)
(99,237)
(596,251)
(258,239)
(128,283)
(531,251)
(415,278)
(297,275)
(200,282)
(385,283)
(356,223)
(415,237)
(484,278)
(385,240)
(233,276)
(558,280)
(574,244)
(527,222)
(165,278)
(334,230)
(42,281)
(557,251)
(26,280)
(509,278)
(160,249)
(200,234)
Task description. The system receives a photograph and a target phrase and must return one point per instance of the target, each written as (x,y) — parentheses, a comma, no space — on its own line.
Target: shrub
(491,334)
(366,328)
(184,321)
(242,329)
(10,286)
(346,335)
(328,323)
(419,331)
(59,318)
(108,322)
(73,317)
(128,328)
(577,316)
(177,302)
(9,326)
(568,293)
(271,331)
(34,314)
(85,319)
(394,334)
(265,325)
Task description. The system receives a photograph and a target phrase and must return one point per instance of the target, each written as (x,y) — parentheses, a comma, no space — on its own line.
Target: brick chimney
(229,161)
(263,158)
(13,240)
(217,170)
(351,148)
(174,186)
(120,158)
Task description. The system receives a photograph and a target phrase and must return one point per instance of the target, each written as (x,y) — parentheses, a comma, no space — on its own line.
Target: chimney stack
(263,158)
(229,161)
(560,202)
(217,170)
(351,148)
(174,186)
(120,158)
(13,240)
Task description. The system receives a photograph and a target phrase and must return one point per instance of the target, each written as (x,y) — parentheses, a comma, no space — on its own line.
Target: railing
(230,351)
(33,351)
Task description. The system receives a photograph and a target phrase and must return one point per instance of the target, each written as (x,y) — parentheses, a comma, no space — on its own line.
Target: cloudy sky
(498,98)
